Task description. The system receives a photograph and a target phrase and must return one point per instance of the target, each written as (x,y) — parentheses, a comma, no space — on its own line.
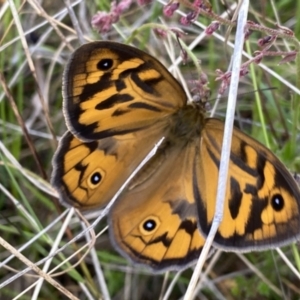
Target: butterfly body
(119,102)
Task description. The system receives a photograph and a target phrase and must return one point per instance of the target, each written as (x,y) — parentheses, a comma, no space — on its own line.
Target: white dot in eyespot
(149,225)
(105,64)
(95,179)
(277,202)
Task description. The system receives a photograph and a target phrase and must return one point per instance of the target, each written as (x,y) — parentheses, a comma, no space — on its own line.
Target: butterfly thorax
(184,127)
(186,124)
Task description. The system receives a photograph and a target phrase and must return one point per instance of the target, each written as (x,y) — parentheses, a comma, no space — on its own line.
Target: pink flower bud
(212,28)
(169,9)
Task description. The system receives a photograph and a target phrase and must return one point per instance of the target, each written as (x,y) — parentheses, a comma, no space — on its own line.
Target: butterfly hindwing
(88,175)
(154,221)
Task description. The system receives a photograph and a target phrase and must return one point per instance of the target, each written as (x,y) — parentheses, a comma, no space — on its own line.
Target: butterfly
(118,102)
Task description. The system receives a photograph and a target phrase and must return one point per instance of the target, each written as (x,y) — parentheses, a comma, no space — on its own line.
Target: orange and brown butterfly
(118,103)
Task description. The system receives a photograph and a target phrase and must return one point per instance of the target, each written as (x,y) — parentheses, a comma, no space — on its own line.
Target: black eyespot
(105,64)
(96,178)
(277,202)
(149,225)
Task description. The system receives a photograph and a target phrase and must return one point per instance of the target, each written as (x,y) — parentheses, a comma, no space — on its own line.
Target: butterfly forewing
(110,88)
(262,200)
